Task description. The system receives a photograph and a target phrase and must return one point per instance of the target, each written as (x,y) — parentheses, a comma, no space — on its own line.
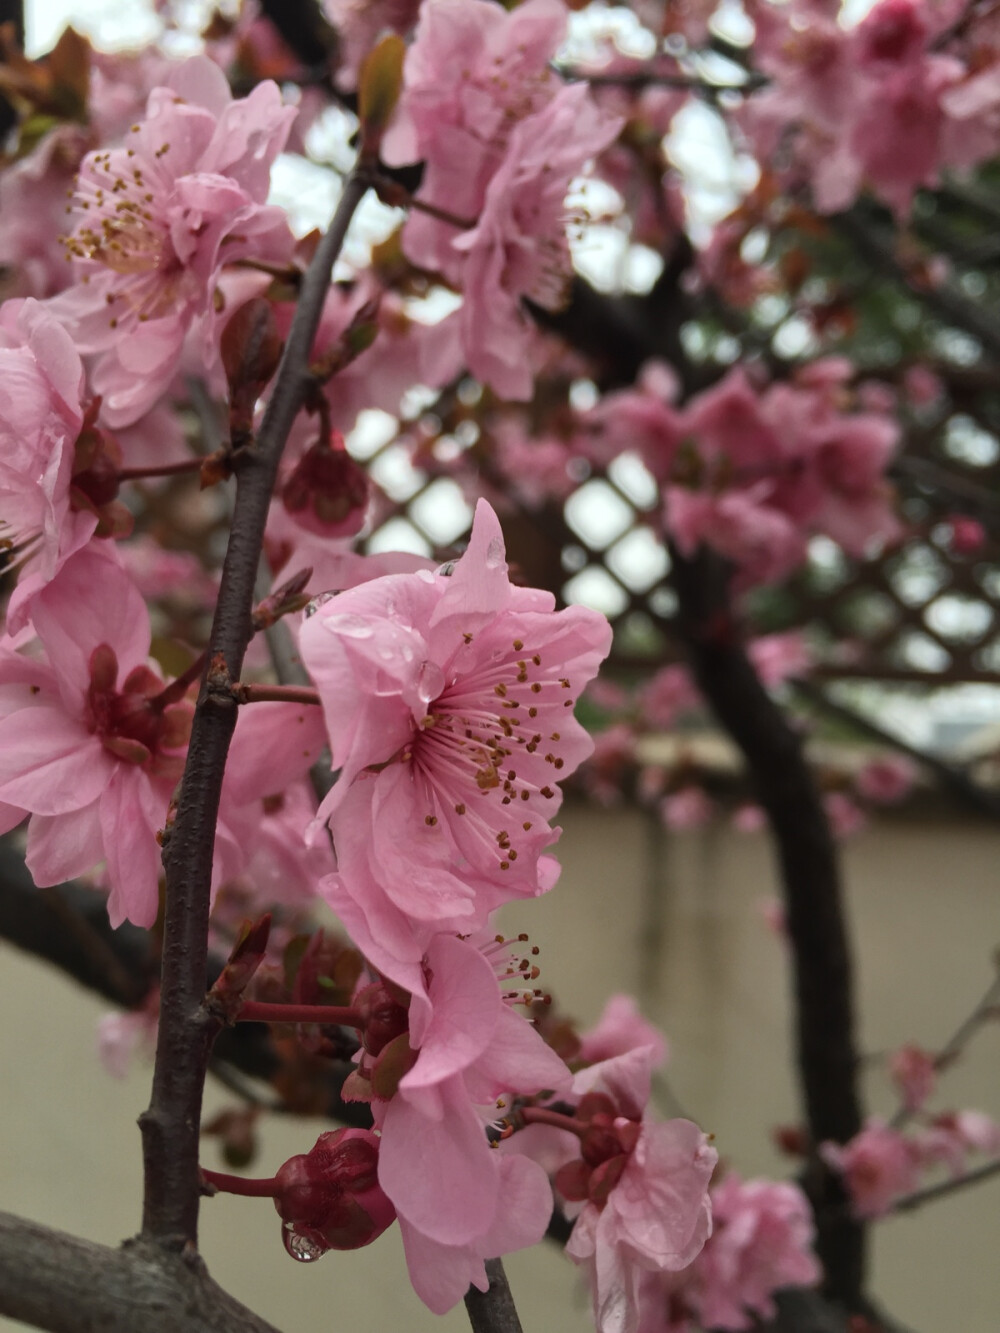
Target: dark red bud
(598,1145)
(604,1178)
(251,349)
(327,492)
(572,1180)
(596,1103)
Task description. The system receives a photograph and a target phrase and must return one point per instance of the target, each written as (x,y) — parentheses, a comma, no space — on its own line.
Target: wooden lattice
(922,612)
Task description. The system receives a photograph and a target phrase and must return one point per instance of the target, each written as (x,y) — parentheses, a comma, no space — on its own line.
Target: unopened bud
(251,349)
(328,492)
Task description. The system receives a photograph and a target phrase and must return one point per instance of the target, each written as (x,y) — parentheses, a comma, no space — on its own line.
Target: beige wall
(924,906)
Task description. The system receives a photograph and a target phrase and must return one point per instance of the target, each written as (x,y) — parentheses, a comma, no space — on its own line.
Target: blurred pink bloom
(886,780)
(689,808)
(761,1241)
(621,1028)
(776,657)
(122,1035)
(922,386)
(449,705)
(518,247)
(40,419)
(359,24)
(749,819)
(666,694)
(470,75)
(878,1165)
(772,911)
(914,1074)
(968,536)
(950,1137)
(846,818)
(156,221)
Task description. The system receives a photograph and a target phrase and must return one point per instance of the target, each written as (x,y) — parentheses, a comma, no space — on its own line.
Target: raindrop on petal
(430,681)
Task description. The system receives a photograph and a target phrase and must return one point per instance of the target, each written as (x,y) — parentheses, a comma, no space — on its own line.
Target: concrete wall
(676,920)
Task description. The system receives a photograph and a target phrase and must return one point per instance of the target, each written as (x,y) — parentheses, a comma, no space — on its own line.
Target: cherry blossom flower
(878,1165)
(914,1073)
(762,1232)
(448,699)
(886,780)
(519,248)
(643,1186)
(89,744)
(435,1066)
(156,220)
(472,72)
(621,1028)
(689,808)
(40,419)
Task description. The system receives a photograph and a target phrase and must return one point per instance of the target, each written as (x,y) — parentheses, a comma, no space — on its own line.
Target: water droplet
(348,626)
(425,575)
(318,601)
(303,1246)
(494,554)
(386,654)
(430,681)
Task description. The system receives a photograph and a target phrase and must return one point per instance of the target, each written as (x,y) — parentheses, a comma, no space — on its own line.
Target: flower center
(488,750)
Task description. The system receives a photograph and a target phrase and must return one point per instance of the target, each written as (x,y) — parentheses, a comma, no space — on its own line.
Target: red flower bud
(327,492)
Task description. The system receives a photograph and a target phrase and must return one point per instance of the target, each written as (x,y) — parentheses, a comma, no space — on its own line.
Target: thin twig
(170,1128)
(907,1202)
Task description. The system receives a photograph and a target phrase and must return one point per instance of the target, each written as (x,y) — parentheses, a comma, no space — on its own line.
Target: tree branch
(824,1019)
(170,1128)
(57,1282)
(493,1311)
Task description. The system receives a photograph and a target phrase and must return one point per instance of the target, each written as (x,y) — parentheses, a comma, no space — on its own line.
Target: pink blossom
(519,248)
(749,818)
(40,419)
(666,694)
(950,1137)
(968,536)
(645,1204)
(914,1073)
(120,1036)
(688,808)
(740,525)
(448,700)
(359,24)
(602,774)
(777,657)
(761,1241)
(87,746)
(621,1028)
(470,75)
(157,220)
(846,818)
(886,780)
(878,1165)
(458,1201)
(922,386)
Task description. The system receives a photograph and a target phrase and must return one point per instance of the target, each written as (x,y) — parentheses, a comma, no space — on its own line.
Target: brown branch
(58,1282)
(810,876)
(907,1202)
(170,1127)
(493,1311)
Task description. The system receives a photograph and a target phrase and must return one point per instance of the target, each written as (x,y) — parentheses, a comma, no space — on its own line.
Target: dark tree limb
(493,1311)
(57,1282)
(810,878)
(171,1126)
